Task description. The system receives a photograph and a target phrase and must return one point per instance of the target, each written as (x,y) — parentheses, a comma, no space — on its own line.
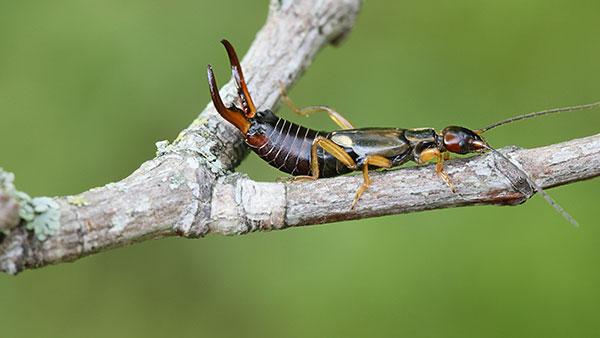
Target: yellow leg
(374,160)
(439,169)
(431,154)
(341,121)
(330,147)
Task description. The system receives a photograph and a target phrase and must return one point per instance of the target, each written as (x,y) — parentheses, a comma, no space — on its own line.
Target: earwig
(310,154)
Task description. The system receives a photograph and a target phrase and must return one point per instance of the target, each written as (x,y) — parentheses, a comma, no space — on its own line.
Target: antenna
(537,188)
(539,113)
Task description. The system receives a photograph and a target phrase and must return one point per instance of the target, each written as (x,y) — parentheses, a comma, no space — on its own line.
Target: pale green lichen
(199,141)
(162,147)
(78,201)
(42,217)
(176,181)
(199,121)
(39,214)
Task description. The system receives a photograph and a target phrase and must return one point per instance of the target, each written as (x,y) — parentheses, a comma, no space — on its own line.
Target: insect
(312,154)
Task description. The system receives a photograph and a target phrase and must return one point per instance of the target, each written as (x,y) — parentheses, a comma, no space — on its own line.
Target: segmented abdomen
(287,147)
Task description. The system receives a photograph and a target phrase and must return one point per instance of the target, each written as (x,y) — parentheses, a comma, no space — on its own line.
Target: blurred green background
(87,87)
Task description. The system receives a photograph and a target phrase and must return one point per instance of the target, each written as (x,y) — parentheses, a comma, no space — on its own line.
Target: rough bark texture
(9,212)
(9,205)
(189,189)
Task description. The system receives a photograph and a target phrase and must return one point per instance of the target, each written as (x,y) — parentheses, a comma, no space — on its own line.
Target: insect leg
(374,160)
(439,169)
(330,147)
(341,121)
(430,154)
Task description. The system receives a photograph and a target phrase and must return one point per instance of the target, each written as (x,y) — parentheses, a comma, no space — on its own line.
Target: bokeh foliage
(87,87)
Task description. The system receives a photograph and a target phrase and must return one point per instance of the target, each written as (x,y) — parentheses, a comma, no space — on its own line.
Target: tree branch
(189,190)
(9,205)
(171,194)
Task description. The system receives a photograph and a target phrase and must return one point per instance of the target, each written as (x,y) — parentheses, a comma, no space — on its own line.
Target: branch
(189,190)
(171,194)
(9,204)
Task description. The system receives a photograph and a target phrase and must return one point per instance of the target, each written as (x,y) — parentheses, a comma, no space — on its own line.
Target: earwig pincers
(310,154)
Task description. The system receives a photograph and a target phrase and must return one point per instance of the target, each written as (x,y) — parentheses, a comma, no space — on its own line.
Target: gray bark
(189,189)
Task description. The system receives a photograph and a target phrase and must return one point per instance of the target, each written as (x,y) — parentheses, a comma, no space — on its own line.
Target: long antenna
(539,113)
(537,188)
